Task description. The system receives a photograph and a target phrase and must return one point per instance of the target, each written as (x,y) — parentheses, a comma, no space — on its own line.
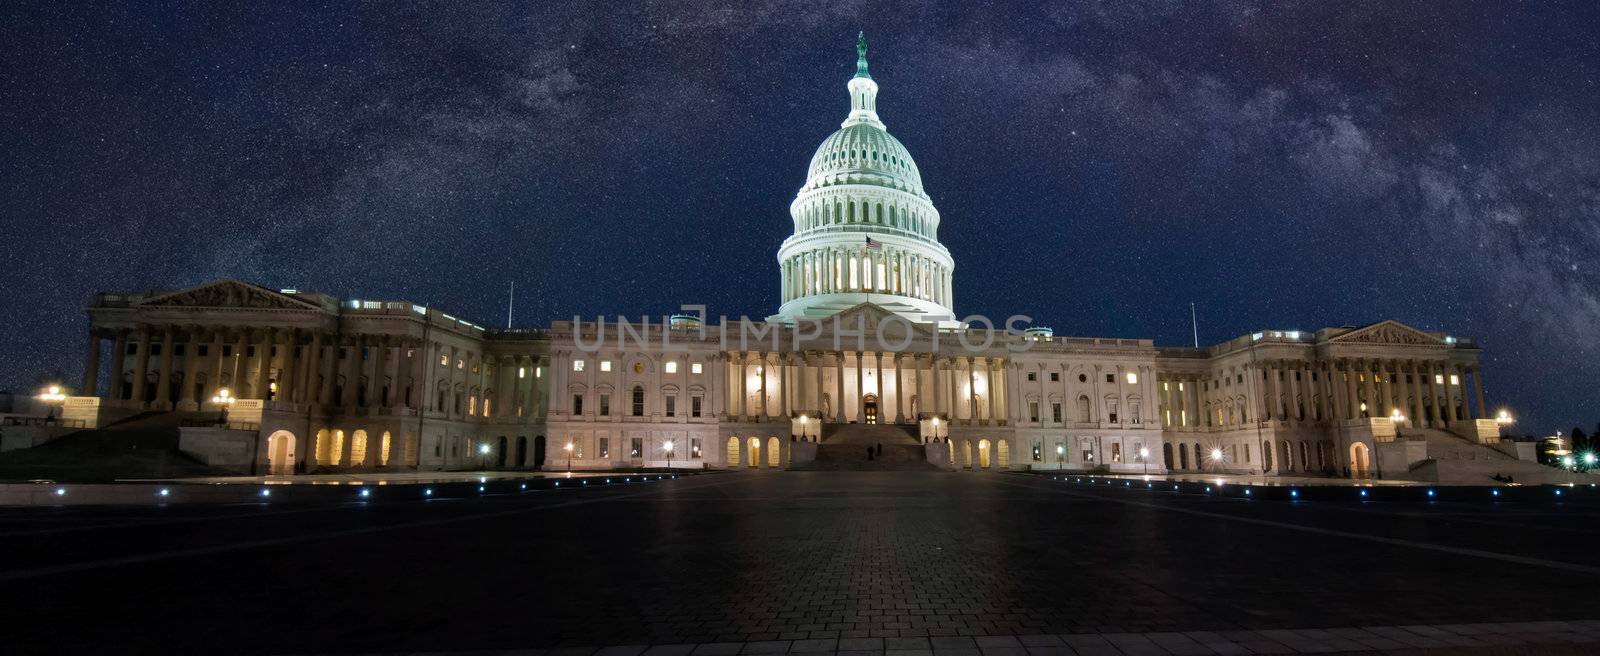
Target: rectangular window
(604,446)
(205,350)
(1088,452)
(694,448)
(1038,451)
(249,351)
(522,372)
(694,406)
(605,405)
(577,404)
(1247,452)
(1455,380)
(1116,452)
(672,405)
(636,448)
(1033,411)
(1055,376)
(1133,378)
(694,368)
(1111,378)
(605,365)
(1438,379)
(577,365)
(1032,377)
(1111,412)
(1133,411)
(1055,412)
(672,367)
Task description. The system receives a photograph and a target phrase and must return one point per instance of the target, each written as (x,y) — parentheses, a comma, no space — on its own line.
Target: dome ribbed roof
(864,154)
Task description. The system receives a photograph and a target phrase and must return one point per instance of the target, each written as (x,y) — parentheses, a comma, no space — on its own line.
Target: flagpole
(1195,324)
(510,302)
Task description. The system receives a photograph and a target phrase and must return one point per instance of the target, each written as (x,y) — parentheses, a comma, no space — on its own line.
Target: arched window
(1083,409)
(638,401)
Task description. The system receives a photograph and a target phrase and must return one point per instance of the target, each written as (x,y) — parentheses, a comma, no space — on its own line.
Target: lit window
(605,365)
(522,372)
(577,365)
(1133,378)
(1438,379)
(672,367)
(1455,380)
(461,364)
(444,359)
(694,368)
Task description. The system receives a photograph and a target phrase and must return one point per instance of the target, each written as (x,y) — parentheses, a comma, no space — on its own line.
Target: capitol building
(867,348)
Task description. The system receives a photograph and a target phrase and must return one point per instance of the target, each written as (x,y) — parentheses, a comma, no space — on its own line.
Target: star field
(1098,166)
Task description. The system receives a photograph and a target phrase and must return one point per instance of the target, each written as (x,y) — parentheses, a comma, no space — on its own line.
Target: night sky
(1097,167)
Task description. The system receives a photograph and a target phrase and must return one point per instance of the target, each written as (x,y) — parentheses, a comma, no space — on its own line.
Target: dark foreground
(827,558)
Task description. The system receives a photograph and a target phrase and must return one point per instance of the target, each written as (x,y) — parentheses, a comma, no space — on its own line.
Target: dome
(864,154)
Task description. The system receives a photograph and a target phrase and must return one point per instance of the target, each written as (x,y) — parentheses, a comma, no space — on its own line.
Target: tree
(1580,442)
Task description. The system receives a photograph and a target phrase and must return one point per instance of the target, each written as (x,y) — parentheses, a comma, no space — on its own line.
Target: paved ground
(772,559)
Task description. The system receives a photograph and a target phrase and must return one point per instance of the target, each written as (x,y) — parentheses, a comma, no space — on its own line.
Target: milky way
(1098,167)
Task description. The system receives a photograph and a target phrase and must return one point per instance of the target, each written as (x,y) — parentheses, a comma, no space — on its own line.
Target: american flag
(873,245)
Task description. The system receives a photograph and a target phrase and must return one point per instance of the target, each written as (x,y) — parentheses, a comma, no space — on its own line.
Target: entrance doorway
(869,408)
(280,453)
(1358,460)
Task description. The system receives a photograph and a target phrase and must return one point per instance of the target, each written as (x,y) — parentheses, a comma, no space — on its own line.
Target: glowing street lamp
(223,397)
(1216,456)
(1504,418)
(1144,457)
(568,447)
(483,455)
(1588,459)
(1061,456)
(1396,417)
(668,447)
(52,394)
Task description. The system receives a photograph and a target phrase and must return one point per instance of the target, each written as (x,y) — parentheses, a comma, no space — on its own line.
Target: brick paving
(804,562)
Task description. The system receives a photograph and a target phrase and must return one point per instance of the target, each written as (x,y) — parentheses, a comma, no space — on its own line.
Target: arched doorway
(358,448)
(1266,459)
(522,452)
(1358,460)
(1286,455)
(755,453)
(280,453)
(869,408)
(983,454)
(1183,456)
(1166,455)
(1003,450)
(383,450)
(774,452)
(500,454)
(732,452)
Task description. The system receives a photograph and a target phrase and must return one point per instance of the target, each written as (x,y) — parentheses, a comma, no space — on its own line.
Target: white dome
(864,230)
(864,154)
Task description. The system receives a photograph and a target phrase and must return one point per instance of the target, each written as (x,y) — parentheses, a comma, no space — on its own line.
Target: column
(264,364)
(119,354)
(192,364)
(802,370)
(972,389)
(994,388)
(784,379)
(861,371)
(307,378)
(934,391)
(900,390)
(817,369)
(1477,391)
(380,361)
(763,370)
(883,399)
(1353,409)
(1275,405)
(91,367)
(1382,381)
(743,376)
(141,364)
(289,376)
(164,372)
(839,383)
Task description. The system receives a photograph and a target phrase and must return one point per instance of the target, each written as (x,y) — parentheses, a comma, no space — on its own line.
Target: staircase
(1453,459)
(142,446)
(844,448)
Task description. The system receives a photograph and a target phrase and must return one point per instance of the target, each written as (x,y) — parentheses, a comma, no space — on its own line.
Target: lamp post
(568,447)
(483,456)
(1144,457)
(1216,457)
(223,399)
(668,446)
(1061,457)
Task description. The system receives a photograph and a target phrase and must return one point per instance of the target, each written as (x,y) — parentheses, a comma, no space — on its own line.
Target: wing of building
(865,350)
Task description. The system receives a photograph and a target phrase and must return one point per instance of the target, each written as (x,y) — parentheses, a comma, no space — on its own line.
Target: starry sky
(1098,165)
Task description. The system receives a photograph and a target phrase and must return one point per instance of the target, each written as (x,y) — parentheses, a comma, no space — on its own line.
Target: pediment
(1388,332)
(229,294)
